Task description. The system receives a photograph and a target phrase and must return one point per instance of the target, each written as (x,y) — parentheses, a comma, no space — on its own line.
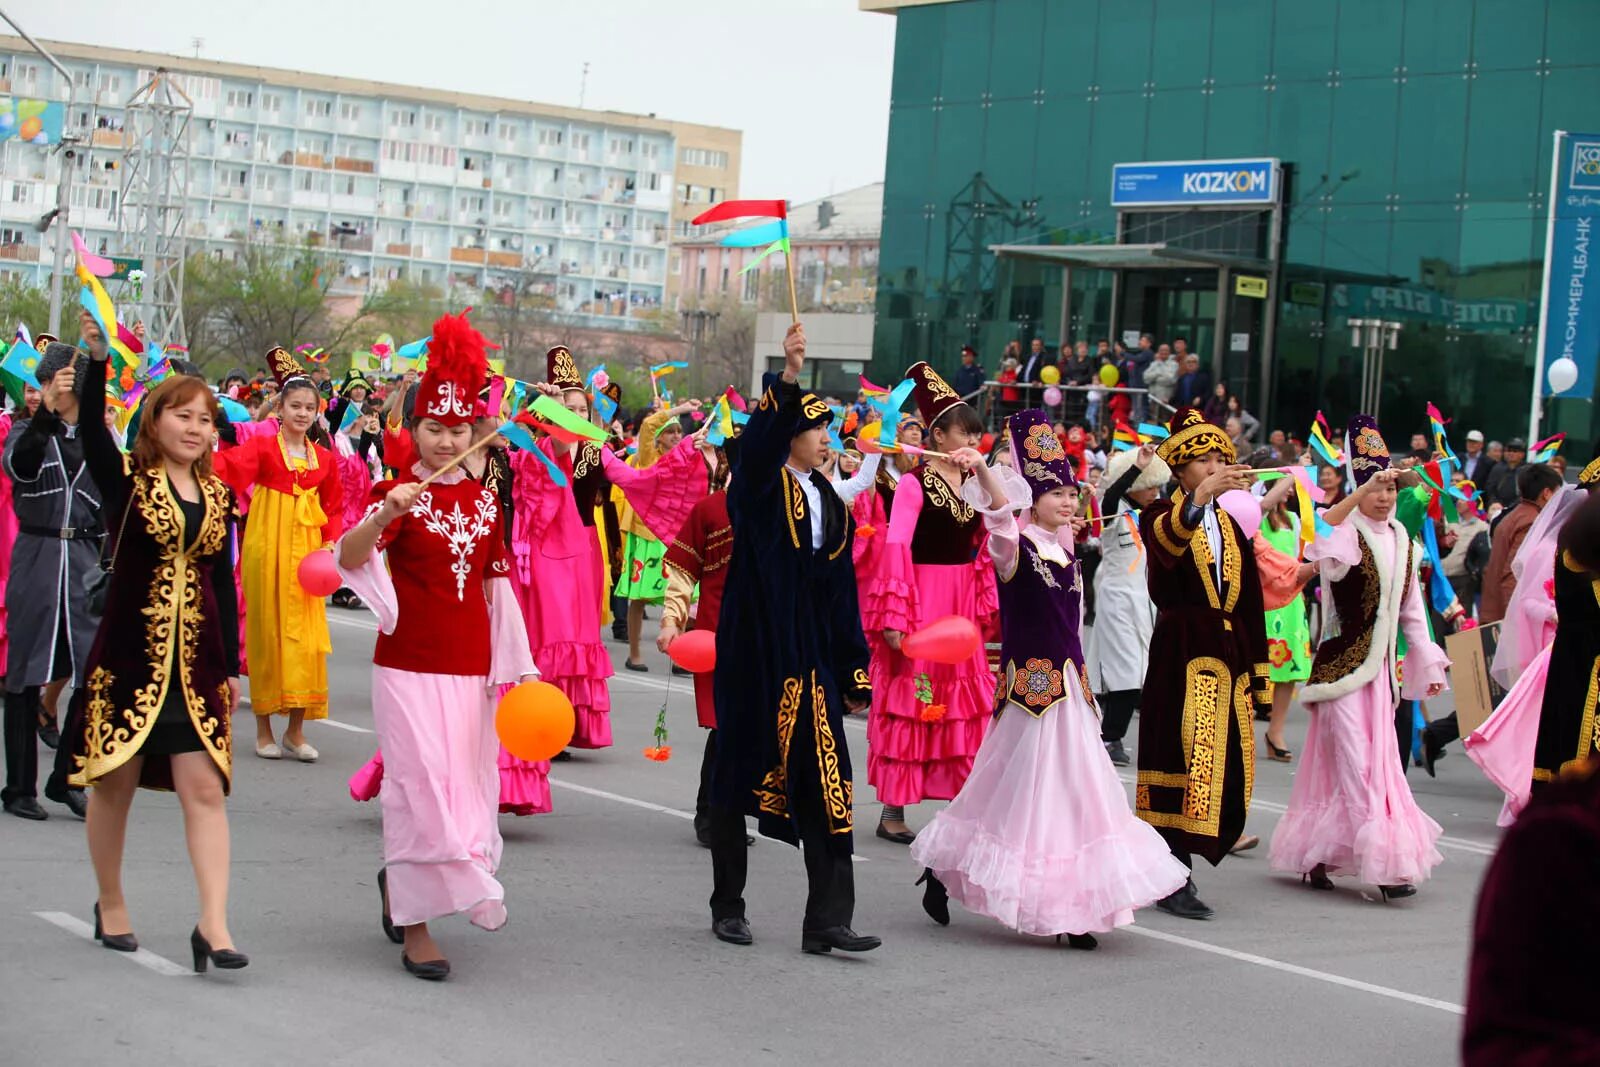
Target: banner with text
(1569,334)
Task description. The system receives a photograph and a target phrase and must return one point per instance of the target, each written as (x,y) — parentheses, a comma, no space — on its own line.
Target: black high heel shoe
(935,900)
(1397,892)
(390,930)
(226,959)
(1086,942)
(116,942)
(1317,878)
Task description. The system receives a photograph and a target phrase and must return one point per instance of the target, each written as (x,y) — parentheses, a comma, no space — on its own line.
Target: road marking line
(371,627)
(143,957)
(337,725)
(645,804)
(1303,972)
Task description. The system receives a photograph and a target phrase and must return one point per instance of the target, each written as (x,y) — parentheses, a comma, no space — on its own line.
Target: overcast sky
(806,80)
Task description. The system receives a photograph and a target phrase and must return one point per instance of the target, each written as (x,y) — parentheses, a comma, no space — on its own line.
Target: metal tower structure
(978,216)
(151,211)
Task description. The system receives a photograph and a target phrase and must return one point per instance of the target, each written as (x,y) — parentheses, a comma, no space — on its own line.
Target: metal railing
(1074,405)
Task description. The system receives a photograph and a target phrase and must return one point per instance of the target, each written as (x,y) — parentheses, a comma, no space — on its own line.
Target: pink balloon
(950,640)
(695,651)
(1245,509)
(318,574)
(1052,396)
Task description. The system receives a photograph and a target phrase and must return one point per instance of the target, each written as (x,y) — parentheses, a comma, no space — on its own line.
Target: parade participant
(49,622)
(1208,658)
(353,392)
(1119,643)
(790,659)
(1277,546)
(26,409)
(871,511)
(163,673)
(430,562)
(644,578)
(355,475)
(296,508)
(1040,837)
(930,569)
(559,569)
(1351,812)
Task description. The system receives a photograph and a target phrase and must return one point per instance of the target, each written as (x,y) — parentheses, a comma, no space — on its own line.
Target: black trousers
(702,799)
(1117,710)
(1403,729)
(831,899)
(22,744)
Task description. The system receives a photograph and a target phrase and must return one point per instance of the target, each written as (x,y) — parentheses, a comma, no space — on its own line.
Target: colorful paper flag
(890,406)
(1437,422)
(519,436)
(1125,439)
(742,209)
(19,367)
(661,370)
(1321,445)
(605,407)
(553,412)
(872,390)
(1151,432)
(1544,451)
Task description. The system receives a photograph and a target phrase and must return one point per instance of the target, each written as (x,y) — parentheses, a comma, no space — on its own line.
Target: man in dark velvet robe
(791,659)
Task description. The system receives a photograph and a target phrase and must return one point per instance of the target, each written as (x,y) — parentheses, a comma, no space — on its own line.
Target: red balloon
(319,575)
(695,651)
(949,640)
(535,721)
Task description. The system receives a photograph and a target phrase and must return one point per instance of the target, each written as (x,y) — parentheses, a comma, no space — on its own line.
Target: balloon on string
(950,640)
(1109,375)
(1052,396)
(1562,374)
(1050,375)
(1245,509)
(318,573)
(695,651)
(534,721)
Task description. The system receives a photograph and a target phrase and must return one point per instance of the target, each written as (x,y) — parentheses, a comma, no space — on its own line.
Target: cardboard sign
(1476,693)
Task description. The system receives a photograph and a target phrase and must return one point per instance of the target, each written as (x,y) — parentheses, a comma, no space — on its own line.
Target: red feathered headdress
(457,370)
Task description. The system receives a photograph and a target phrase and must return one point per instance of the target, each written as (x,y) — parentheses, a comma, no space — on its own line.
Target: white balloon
(1562,375)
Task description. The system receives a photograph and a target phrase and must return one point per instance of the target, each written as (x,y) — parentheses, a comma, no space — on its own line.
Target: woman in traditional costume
(163,673)
(1351,812)
(1277,546)
(429,560)
(1040,837)
(1119,643)
(297,508)
(1208,658)
(351,440)
(928,719)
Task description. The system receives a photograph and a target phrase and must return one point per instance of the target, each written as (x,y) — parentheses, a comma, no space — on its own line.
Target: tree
(27,305)
(725,346)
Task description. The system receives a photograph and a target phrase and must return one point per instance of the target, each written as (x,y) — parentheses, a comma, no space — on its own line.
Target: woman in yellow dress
(296,509)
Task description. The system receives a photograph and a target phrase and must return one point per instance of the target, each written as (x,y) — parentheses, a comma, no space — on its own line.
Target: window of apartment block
(10,237)
(271,102)
(82,78)
(622,146)
(240,98)
(302,180)
(433,121)
(652,181)
(551,138)
(580,141)
(502,208)
(752,286)
(402,118)
(27,72)
(110,83)
(266,180)
(319,109)
(508,132)
(349,111)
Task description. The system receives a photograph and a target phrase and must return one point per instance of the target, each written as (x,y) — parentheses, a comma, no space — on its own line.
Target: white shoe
(304,753)
(270,750)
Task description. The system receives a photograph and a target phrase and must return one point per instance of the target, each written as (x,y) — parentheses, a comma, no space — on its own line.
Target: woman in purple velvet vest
(163,673)
(1041,836)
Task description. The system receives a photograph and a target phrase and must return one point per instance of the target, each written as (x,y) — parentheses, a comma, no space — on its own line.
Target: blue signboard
(1195,183)
(1569,321)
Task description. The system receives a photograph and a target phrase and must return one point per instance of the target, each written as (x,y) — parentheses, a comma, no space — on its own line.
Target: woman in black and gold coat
(163,671)
(1568,736)
(1208,658)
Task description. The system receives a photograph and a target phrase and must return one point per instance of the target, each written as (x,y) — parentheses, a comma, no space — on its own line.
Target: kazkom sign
(1194,183)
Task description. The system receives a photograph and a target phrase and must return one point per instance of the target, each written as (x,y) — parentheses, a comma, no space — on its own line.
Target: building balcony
(505,259)
(109,138)
(21,253)
(313,160)
(358,243)
(407,251)
(468,255)
(357,166)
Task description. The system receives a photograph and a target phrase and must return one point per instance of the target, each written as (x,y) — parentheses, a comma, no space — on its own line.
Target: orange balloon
(695,651)
(30,128)
(535,721)
(950,640)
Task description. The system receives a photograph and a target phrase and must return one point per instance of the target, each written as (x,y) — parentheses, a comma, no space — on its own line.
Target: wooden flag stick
(794,301)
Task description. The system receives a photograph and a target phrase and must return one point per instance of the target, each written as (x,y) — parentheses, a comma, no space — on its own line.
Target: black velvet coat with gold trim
(164,627)
(789,640)
(1208,672)
(1567,735)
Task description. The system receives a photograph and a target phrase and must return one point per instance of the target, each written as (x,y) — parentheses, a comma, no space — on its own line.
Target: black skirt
(174,730)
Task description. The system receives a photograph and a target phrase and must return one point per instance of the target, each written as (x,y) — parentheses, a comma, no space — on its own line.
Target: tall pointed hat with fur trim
(458,367)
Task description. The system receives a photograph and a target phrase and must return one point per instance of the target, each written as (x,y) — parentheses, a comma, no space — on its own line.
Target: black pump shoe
(427,970)
(1397,892)
(735,930)
(899,837)
(116,942)
(935,900)
(226,959)
(1086,942)
(390,930)
(842,938)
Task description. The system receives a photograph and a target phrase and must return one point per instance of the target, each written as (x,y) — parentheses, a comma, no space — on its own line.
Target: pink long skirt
(909,758)
(1041,837)
(441,844)
(1503,746)
(1351,807)
(562,611)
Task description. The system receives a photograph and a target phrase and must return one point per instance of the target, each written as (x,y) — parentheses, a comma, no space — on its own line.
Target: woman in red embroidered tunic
(430,561)
(296,509)
(928,719)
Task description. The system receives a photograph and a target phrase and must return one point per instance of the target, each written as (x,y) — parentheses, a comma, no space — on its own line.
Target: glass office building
(1413,139)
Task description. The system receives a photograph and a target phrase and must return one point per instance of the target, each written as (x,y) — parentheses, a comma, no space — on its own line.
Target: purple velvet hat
(1037,454)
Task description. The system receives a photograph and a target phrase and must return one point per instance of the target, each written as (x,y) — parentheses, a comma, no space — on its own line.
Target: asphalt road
(608,958)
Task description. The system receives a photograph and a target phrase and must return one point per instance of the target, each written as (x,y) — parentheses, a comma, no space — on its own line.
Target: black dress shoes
(842,938)
(50,734)
(1118,754)
(1432,749)
(899,837)
(76,800)
(26,808)
(427,970)
(735,930)
(1185,903)
(935,900)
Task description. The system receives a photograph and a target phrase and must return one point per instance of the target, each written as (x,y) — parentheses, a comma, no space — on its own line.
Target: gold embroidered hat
(814,411)
(1192,437)
(1037,453)
(561,371)
(1363,443)
(1589,478)
(932,393)
(283,365)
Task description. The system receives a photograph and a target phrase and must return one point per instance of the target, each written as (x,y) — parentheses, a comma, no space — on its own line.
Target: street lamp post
(64,181)
(1374,337)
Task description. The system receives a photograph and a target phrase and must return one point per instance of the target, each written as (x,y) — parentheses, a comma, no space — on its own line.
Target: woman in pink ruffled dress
(1041,837)
(928,719)
(1351,812)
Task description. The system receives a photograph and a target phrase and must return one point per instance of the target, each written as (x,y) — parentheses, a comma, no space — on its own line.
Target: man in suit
(1475,463)
(1038,359)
